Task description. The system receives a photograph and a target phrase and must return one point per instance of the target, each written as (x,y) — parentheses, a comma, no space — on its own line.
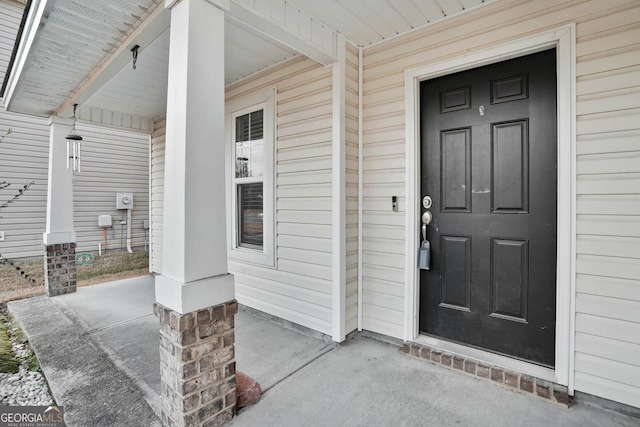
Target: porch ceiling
(77,40)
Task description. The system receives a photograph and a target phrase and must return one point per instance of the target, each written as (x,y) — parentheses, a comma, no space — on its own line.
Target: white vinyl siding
(24,157)
(607,360)
(113,161)
(299,288)
(351,165)
(10,17)
(157,192)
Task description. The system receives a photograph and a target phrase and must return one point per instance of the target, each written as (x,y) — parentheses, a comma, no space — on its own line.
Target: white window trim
(265,100)
(563,38)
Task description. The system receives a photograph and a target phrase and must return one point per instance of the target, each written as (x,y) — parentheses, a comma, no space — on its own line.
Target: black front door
(488,150)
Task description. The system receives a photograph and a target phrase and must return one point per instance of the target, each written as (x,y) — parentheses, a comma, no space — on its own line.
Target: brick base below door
(60,269)
(512,380)
(197,365)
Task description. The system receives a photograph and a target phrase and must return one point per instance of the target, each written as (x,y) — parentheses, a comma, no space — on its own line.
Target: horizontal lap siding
(157,193)
(352,187)
(299,288)
(608,175)
(24,157)
(10,16)
(112,161)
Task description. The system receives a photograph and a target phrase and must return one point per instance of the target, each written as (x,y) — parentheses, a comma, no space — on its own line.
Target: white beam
(323,51)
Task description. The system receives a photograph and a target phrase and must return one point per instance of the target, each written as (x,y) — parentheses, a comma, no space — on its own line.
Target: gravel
(25,387)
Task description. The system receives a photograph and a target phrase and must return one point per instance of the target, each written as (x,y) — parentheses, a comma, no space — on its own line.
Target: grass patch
(113,265)
(8,362)
(31,361)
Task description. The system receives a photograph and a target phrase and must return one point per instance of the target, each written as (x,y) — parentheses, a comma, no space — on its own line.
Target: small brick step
(514,381)
(247,390)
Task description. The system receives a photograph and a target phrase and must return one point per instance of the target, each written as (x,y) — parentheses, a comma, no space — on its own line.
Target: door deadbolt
(426,202)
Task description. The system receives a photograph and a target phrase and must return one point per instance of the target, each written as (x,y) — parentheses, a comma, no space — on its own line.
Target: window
(249,162)
(250,126)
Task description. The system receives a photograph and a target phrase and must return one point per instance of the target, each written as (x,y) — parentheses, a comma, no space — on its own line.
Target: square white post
(195,293)
(194,264)
(59,238)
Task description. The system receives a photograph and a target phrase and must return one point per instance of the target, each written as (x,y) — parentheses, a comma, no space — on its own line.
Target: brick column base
(60,269)
(197,365)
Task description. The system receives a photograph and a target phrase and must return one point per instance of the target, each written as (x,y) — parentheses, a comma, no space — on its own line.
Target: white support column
(194,269)
(339,204)
(59,225)
(195,294)
(59,238)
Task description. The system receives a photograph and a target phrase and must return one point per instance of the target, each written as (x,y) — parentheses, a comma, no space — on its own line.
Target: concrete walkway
(99,351)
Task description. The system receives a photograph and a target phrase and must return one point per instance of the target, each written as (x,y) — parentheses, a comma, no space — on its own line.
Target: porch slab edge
(89,385)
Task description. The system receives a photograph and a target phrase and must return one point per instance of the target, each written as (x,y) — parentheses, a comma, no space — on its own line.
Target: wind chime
(73,145)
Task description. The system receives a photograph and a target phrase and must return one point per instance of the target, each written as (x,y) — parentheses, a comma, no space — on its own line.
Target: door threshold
(489,358)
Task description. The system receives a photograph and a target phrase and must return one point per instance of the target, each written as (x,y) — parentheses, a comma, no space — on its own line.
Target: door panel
(488,147)
(510,165)
(455,171)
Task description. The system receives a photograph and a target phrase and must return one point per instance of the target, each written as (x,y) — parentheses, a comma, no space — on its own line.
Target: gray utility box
(124,200)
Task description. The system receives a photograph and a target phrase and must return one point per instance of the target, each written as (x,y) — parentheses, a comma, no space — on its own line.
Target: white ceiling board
(365,22)
(430,9)
(73,39)
(247,52)
(450,7)
(470,3)
(409,12)
(143,92)
(140,92)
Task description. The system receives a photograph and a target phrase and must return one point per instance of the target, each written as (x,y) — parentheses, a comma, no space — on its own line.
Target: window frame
(266,101)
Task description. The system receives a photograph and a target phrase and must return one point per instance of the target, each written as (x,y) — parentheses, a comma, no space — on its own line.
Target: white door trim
(563,39)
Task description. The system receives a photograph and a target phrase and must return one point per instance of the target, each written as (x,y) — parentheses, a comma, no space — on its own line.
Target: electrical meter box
(104,221)
(124,200)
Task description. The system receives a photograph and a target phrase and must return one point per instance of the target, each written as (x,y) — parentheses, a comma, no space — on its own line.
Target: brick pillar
(197,365)
(60,269)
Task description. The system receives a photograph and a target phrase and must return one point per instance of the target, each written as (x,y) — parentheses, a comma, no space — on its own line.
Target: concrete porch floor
(98,349)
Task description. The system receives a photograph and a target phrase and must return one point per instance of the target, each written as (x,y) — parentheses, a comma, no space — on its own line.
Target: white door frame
(563,39)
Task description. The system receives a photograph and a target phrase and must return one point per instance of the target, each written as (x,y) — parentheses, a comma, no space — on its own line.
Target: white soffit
(143,91)
(365,22)
(77,36)
(74,37)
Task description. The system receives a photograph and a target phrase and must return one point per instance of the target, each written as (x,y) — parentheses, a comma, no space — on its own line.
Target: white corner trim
(563,38)
(149,232)
(338,195)
(360,182)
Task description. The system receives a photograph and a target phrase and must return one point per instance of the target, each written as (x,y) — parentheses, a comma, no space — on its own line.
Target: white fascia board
(38,14)
(274,30)
(149,30)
